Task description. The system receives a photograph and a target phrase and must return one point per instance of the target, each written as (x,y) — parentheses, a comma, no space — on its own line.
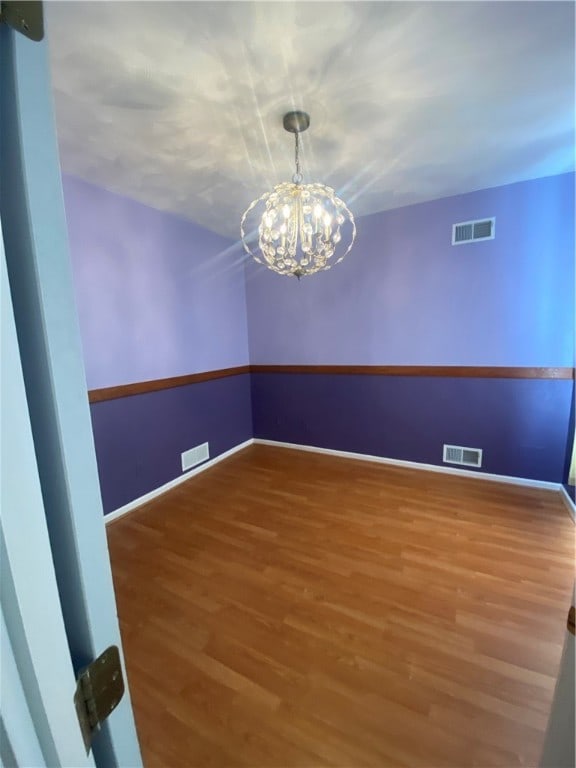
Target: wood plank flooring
(292,609)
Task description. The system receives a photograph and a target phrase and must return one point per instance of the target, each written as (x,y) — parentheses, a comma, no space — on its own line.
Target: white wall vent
(195,456)
(457,454)
(472,231)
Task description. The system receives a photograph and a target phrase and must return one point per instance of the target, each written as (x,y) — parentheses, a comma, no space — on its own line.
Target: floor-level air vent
(471,231)
(456,454)
(195,456)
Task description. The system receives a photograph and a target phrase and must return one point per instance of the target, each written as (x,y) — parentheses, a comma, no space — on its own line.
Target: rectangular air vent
(472,231)
(457,454)
(195,456)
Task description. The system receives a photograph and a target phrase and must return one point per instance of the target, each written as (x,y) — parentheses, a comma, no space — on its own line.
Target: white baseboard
(346,455)
(568,501)
(415,465)
(173,483)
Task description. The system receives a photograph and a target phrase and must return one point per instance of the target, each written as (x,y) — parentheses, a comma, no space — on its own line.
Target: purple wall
(405,296)
(520,424)
(139,439)
(157,296)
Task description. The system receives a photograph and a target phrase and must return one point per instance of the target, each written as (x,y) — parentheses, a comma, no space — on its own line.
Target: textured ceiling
(179,105)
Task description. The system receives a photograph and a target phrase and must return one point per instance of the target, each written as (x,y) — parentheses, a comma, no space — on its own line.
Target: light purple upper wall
(157,296)
(405,296)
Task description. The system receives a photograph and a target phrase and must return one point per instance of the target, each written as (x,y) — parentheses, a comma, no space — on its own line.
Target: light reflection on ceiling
(179,105)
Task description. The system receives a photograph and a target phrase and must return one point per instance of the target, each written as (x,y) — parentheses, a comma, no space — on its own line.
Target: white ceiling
(179,105)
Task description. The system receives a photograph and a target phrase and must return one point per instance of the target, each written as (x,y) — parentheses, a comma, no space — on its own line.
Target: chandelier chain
(297,155)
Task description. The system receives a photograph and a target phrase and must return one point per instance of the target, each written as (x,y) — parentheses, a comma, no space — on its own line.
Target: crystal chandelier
(302,228)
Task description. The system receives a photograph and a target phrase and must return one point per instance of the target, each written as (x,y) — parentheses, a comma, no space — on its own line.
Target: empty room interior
(323,265)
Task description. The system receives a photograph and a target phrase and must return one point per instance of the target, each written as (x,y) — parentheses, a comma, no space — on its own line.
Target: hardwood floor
(293,609)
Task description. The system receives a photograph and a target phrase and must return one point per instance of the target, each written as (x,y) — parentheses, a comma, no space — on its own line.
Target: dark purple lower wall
(139,439)
(521,424)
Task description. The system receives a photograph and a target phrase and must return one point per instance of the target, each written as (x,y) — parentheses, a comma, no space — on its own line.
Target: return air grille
(457,454)
(472,231)
(195,456)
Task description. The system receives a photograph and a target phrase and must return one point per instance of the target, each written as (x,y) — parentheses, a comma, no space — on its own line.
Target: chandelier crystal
(302,228)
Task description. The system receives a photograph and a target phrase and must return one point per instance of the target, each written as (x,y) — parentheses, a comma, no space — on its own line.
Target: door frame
(38,681)
(50,352)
